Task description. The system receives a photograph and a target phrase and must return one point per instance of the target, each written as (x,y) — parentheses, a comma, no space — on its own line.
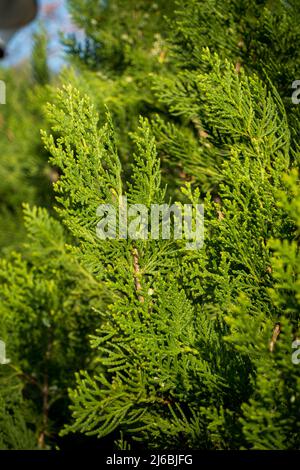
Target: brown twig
(45,391)
(136,269)
(276,333)
(218,201)
(202,134)
(238,66)
(27,377)
(45,397)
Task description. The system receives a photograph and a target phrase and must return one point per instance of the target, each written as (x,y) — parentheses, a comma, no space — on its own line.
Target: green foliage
(47,304)
(16,419)
(172,348)
(41,72)
(15,435)
(24,171)
(194,389)
(120,36)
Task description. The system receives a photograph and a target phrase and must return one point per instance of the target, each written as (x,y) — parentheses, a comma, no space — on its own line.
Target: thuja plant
(173,348)
(126,44)
(123,43)
(48,308)
(24,172)
(194,350)
(260,37)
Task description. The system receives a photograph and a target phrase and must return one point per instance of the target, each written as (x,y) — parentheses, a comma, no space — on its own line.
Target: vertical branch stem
(275,335)
(136,269)
(45,397)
